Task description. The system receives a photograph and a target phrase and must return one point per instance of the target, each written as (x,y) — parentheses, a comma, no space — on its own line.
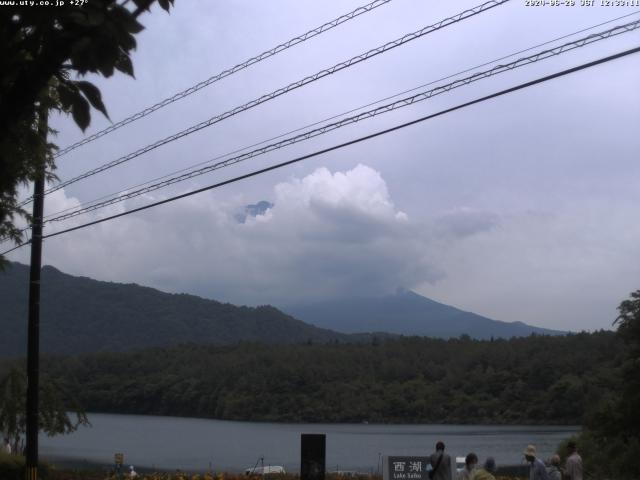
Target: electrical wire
(225,73)
(206,162)
(15,248)
(355,141)
(281,91)
(365,115)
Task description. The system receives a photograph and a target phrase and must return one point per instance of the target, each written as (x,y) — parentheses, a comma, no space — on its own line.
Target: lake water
(200,444)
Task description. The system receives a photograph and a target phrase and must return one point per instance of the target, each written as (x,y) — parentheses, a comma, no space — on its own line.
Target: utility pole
(33,333)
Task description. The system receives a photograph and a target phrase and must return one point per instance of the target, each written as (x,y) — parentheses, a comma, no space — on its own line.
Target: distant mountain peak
(407,313)
(253,210)
(50,268)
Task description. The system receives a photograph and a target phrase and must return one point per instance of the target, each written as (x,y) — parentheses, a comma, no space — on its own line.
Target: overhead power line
(225,73)
(352,142)
(425,95)
(20,245)
(281,91)
(117,196)
(333,117)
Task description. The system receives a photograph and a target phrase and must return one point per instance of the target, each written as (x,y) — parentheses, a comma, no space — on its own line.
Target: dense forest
(537,379)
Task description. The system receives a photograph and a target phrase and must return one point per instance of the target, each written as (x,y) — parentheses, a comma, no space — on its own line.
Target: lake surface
(199,444)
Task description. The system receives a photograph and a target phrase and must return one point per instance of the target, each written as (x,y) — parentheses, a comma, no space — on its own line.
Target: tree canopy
(53,412)
(44,52)
(610,442)
(407,380)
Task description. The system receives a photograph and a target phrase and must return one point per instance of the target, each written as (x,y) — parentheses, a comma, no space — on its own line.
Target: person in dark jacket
(554,468)
(537,469)
(440,464)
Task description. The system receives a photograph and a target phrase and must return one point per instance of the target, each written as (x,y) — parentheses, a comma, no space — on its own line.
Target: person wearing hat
(537,470)
(487,472)
(573,465)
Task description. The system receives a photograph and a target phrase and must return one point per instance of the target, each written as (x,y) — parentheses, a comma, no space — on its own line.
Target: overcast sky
(523,208)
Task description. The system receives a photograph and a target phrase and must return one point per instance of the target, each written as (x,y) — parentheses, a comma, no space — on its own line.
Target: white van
(266,470)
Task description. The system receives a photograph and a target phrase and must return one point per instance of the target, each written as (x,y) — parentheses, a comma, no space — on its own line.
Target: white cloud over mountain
(335,234)
(327,234)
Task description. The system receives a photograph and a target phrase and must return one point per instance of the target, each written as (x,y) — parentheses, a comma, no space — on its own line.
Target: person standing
(6,446)
(573,465)
(440,464)
(470,462)
(488,471)
(554,468)
(537,470)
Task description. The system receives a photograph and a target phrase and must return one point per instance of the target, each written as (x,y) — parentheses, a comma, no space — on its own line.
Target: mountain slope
(79,314)
(407,313)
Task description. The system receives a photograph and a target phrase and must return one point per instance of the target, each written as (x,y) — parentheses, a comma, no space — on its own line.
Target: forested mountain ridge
(79,314)
(407,313)
(532,380)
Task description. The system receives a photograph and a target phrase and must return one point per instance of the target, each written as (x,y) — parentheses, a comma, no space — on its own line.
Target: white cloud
(332,234)
(328,234)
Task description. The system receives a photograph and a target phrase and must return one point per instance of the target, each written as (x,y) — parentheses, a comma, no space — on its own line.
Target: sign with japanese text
(406,468)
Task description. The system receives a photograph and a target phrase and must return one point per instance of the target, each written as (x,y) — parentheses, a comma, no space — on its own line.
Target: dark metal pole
(33,339)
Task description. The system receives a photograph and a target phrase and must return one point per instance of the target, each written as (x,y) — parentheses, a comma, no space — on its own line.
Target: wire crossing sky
(567,47)
(225,73)
(343,145)
(191,169)
(292,86)
(519,209)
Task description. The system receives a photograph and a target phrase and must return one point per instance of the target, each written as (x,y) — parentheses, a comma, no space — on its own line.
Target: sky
(521,208)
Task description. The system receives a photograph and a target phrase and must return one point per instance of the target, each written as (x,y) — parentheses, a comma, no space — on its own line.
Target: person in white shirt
(573,465)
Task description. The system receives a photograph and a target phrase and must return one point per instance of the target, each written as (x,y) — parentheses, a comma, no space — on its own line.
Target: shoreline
(321,422)
(167,443)
(62,464)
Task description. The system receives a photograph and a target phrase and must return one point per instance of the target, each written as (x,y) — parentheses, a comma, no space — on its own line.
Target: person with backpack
(440,464)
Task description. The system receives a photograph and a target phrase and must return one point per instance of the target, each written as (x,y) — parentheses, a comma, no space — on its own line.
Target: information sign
(406,468)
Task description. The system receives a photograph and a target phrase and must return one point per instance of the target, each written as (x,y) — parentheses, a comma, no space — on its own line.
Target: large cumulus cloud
(327,234)
(337,234)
